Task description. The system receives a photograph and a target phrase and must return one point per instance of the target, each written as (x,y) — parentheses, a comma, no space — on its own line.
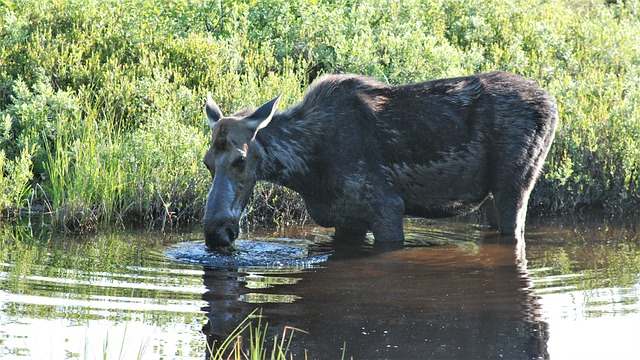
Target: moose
(362,154)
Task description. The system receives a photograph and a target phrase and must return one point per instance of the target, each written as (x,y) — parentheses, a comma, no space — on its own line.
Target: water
(452,292)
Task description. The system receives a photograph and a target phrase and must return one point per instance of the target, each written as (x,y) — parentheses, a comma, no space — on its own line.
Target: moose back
(362,154)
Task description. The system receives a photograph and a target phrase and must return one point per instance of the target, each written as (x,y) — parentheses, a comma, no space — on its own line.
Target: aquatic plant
(234,346)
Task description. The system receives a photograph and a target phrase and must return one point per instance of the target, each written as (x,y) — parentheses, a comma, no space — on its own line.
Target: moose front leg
(388,230)
(387,223)
(350,235)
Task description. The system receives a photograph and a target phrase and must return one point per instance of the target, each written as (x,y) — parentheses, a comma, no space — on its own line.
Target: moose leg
(511,194)
(491,213)
(388,230)
(387,223)
(511,208)
(388,234)
(519,166)
(345,234)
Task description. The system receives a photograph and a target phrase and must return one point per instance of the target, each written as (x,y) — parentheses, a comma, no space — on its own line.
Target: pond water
(452,292)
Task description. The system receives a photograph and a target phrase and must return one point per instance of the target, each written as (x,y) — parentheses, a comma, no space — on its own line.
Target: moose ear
(261,117)
(213,111)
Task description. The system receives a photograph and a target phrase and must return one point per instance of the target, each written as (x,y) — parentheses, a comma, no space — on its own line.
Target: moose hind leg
(511,209)
(490,213)
(511,192)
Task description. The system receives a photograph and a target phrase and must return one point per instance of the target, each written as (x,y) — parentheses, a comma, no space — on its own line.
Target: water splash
(273,253)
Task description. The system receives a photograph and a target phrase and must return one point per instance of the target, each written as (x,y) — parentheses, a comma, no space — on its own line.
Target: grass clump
(101,101)
(234,346)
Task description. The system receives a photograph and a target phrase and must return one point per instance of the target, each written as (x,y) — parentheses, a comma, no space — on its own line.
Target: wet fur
(362,153)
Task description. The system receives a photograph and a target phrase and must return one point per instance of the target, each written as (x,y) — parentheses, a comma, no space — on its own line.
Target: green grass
(101,117)
(257,347)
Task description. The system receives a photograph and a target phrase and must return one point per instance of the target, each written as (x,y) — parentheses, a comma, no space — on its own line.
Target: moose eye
(240,163)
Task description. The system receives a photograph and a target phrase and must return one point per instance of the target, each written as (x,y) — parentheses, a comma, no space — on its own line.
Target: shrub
(14,181)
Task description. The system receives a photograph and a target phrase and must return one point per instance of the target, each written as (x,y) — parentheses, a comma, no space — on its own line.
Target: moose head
(233,167)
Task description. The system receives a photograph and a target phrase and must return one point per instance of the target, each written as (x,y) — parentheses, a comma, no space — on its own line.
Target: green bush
(101,101)
(14,181)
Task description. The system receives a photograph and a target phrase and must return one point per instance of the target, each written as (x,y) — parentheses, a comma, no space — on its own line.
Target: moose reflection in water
(463,301)
(362,153)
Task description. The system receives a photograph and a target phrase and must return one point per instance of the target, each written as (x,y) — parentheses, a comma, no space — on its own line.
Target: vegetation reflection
(600,264)
(113,276)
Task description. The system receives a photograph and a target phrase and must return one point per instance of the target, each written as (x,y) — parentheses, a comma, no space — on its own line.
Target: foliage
(14,180)
(101,101)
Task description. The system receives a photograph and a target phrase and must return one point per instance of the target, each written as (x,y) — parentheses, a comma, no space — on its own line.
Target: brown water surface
(454,291)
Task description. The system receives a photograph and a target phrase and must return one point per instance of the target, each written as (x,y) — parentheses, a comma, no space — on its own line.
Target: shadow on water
(446,294)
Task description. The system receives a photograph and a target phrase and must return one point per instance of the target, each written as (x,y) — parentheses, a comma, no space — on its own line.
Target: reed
(234,346)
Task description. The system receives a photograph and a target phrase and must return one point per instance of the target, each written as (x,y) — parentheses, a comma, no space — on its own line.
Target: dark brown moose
(362,154)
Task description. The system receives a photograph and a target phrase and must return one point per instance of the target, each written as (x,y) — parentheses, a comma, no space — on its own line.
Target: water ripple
(273,254)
